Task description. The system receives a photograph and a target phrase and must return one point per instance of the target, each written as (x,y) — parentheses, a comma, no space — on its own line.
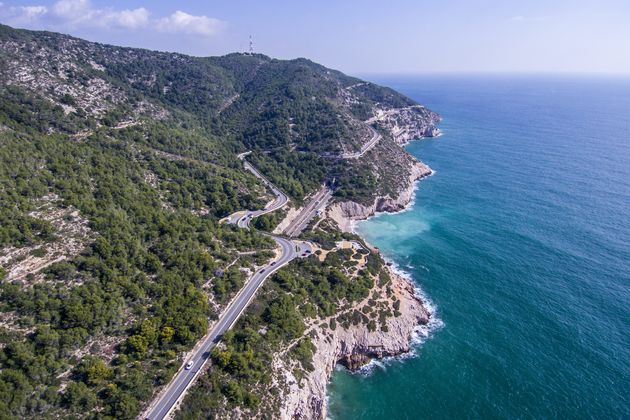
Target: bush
(39,252)
(79,398)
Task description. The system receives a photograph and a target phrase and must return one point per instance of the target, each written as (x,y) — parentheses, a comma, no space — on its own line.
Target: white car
(189,364)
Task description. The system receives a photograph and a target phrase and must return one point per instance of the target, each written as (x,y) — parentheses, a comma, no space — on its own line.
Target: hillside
(295,114)
(116,167)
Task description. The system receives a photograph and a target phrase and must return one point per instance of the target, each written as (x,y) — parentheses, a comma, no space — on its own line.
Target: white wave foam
(424,267)
(422,332)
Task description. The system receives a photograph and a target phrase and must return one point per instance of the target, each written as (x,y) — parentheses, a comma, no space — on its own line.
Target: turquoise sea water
(522,241)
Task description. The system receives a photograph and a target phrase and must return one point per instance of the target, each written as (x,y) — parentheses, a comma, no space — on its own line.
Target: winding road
(289,250)
(366,147)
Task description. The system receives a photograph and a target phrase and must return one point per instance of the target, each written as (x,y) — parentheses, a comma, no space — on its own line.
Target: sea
(520,242)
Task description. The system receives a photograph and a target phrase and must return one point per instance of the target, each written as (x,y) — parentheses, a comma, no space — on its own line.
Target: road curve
(242,218)
(169,397)
(184,378)
(366,147)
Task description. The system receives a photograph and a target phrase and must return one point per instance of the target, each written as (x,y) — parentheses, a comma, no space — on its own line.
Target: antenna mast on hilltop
(251,45)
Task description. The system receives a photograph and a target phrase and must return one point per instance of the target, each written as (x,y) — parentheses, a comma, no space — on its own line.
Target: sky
(359,37)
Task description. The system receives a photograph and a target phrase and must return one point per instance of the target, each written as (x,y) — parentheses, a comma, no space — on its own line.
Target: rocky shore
(346,212)
(352,347)
(357,345)
(408,123)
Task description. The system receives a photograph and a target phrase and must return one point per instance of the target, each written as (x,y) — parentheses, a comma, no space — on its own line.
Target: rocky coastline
(357,345)
(408,123)
(345,213)
(352,347)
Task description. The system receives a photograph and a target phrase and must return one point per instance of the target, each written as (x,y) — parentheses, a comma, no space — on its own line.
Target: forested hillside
(116,166)
(295,115)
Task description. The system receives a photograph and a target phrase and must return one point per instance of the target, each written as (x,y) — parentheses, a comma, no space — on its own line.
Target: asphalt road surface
(318,202)
(185,377)
(242,218)
(289,251)
(366,147)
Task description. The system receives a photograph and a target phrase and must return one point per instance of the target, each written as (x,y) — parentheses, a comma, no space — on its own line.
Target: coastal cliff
(407,123)
(356,345)
(351,347)
(344,213)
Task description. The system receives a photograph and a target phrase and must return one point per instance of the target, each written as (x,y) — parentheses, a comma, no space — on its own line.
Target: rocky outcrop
(70,79)
(345,212)
(408,123)
(352,347)
(26,263)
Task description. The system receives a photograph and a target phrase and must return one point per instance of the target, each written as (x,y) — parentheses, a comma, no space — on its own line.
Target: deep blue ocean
(521,240)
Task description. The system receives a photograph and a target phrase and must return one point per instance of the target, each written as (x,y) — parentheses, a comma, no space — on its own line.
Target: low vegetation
(242,365)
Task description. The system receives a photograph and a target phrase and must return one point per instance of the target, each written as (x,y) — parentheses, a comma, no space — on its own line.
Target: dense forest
(138,282)
(293,114)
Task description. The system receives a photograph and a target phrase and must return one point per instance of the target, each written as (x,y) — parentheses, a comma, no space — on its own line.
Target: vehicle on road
(177,387)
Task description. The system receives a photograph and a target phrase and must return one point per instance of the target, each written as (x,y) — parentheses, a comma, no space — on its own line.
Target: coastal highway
(184,378)
(289,250)
(242,218)
(318,202)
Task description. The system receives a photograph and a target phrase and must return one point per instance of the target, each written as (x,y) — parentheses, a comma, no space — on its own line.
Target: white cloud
(65,14)
(190,24)
(32,12)
(136,18)
(81,13)
(72,9)
(23,15)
